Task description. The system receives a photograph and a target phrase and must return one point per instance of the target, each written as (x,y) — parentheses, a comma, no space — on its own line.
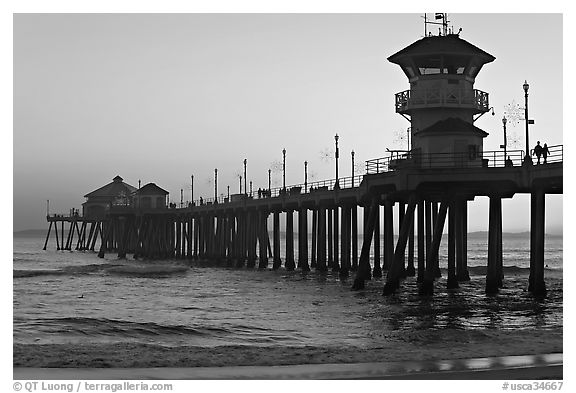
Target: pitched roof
(113,189)
(151,189)
(453,124)
(449,45)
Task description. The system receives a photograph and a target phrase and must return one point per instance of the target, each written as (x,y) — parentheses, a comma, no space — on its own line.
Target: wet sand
(417,346)
(531,367)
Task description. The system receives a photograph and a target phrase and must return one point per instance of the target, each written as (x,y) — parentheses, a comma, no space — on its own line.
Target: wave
(114,269)
(117,327)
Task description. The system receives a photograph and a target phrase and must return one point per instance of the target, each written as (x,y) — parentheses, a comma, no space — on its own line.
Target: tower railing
(419,98)
(486,159)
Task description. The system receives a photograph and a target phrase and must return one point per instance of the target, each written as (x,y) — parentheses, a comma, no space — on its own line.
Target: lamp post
(240,178)
(527,158)
(250,188)
(215,185)
(305,177)
(181,198)
(336,137)
(352,168)
(228,193)
(192,188)
(269,181)
(284,169)
(245,189)
(504,121)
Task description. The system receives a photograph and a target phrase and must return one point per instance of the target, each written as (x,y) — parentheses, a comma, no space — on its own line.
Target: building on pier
(442,103)
(98,201)
(150,196)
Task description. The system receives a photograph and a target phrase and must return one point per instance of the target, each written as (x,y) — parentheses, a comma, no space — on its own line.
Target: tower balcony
(408,100)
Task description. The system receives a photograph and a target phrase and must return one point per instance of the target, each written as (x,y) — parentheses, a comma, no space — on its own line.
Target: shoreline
(545,366)
(416,346)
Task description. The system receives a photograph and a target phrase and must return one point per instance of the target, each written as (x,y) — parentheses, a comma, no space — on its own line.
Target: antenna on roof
(443,23)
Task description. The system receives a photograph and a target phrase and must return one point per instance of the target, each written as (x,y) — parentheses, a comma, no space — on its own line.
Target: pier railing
(486,159)
(418,98)
(293,189)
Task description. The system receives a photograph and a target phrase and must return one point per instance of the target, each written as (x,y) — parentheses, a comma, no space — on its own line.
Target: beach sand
(423,345)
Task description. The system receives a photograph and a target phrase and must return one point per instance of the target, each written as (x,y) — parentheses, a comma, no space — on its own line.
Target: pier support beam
(410,269)
(263,239)
(336,263)
(354,238)
(321,259)
(346,241)
(427,286)
(494,269)
(314,238)
(277,262)
(396,271)
(364,272)
(461,228)
(536,283)
(330,238)
(452,281)
(421,242)
(377,270)
(303,240)
(289,264)
(388,234)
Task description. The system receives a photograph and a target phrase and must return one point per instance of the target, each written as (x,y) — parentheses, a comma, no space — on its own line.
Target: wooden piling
(346,241)
(354,238)
(289,264)
(427,285)
(336,262)
(277,262)
(388,234)
(377,270)
(493,273)
(321,257)
(303,240)
(363,273)
(396,271)
(452,281)
(330,237)
(314,250)
(421,242)
(536,283)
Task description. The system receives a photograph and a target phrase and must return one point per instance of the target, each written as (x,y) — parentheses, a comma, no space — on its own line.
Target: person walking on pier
(509,162)
(545,152)
(538,151)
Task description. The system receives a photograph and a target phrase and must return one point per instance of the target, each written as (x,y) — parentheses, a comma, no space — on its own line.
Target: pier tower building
(442,103)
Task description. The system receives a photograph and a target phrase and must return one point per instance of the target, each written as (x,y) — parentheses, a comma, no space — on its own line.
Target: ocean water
(63,297)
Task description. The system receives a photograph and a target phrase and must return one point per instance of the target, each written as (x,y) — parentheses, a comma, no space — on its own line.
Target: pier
(425,189)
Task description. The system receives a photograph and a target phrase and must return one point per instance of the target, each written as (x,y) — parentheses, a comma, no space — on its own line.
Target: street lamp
(305,176)
(504,121)
(192,188)
(215,185)
(245,189)
(284,169)
(527,158)
(352,168)
(336,137)
(240,177)
(269,180)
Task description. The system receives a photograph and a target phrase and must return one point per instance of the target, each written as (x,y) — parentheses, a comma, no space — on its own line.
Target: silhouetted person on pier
(259,193)
(545,152)
(201,201)
(538,151)
(509,162)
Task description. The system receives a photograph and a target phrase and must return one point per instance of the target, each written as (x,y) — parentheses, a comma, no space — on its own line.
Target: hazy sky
(161,97)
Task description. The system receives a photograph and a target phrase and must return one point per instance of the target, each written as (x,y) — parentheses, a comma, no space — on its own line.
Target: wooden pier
(239,233)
